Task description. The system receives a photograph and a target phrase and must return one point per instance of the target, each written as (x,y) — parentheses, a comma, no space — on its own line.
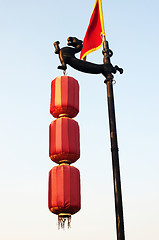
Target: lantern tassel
(64,219)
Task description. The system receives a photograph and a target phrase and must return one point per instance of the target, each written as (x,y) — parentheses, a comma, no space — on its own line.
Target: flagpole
(114,146)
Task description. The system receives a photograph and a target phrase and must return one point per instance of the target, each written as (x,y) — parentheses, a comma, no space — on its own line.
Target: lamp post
(67,56)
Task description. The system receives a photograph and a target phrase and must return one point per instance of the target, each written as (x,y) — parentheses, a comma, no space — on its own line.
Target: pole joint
(109,78)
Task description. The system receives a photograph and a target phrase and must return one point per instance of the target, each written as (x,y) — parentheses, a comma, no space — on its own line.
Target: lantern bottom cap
(64,215)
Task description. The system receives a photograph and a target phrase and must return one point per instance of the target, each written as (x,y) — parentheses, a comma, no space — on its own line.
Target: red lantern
(64,142)
(64,97)
(64,191)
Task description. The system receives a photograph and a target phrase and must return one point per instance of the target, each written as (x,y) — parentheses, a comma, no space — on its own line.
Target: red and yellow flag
(95,31)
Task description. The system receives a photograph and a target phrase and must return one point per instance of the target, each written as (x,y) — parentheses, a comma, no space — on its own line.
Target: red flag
(95,31)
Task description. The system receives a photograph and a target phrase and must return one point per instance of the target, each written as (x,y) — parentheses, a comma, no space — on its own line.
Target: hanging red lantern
(64,140)
(64,192)
(64,149)
(64,97)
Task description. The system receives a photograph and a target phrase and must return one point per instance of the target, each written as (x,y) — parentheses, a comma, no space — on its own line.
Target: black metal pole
(114,148)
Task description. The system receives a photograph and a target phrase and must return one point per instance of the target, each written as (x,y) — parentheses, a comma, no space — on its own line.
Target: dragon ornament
(67,56)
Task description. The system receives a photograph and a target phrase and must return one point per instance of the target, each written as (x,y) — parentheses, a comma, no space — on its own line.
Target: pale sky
(27,67)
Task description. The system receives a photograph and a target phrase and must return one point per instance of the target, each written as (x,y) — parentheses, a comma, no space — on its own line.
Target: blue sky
(27,66)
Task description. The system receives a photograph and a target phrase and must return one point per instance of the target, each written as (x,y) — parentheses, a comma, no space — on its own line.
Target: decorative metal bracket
(67,56)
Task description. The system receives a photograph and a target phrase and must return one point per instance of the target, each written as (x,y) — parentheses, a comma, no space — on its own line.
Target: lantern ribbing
(64,149)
